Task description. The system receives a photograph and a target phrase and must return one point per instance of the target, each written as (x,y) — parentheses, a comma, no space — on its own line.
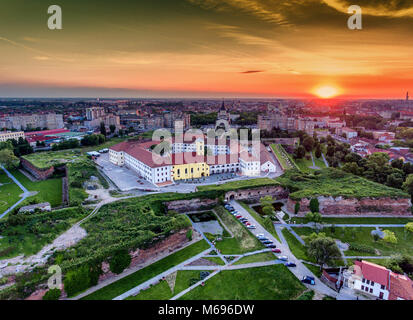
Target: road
(26,193)
(300,271)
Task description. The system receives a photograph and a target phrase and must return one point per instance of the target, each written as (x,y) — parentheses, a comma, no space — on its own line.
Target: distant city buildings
(32,121)
(97,115)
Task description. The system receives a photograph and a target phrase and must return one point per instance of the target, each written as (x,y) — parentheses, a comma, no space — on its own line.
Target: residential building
(378,282)
(9,135)
(347,132)
(24,122)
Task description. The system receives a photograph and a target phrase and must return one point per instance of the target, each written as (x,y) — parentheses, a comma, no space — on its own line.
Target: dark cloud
(252,71)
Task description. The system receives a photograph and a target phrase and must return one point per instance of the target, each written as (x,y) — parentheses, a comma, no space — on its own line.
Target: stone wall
(35,172)
(257,193)
(356,207)
(144,257)
(183,206)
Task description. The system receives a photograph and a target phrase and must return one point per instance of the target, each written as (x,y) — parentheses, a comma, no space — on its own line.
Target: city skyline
(206,49)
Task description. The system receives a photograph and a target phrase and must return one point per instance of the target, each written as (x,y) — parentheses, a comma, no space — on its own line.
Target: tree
(395,180)
(300,152)
(189,234)
(8,159)
(266,201)
(322,248)
(77,280)
(308,143)
(389,236)
(120,261)
(103,128)
(409,227)
(314,217)
(318,152)
(353,168)
(112,128)
(268,210)
(52,294)
(408,185)
(314,205)
(297,207)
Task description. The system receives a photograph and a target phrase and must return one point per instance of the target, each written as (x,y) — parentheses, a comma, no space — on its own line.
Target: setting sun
(326,92)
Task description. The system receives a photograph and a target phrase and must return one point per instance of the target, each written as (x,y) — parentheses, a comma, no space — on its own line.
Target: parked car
(308,280)
(238,216)
(283,258)
(267,242)
(290,265)
(276,250)
(251,227)
(259,235)
(271,246)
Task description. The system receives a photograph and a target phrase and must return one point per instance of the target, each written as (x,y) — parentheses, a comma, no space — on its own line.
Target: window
(362,287)
(372,283)
(382,287)
(371,290)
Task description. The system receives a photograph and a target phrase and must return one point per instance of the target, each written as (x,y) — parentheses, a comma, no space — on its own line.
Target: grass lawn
(260,257)
(263,283)
(309,295)
(115,289)
(298,250)
(304,164)
(282,156)
(240,184)
(334,182)
(319,162)
(314,269)
(217,260)
(162,291)
(49,190)
(357,220)
(362,236)
(260,220)
(44,160)
(9,192)
(243,240)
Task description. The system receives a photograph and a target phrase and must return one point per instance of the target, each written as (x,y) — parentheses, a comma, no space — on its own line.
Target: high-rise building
(32,121)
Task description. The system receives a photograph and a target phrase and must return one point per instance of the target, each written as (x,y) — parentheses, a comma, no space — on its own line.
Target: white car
(260,235)
(251,227)
(283,258)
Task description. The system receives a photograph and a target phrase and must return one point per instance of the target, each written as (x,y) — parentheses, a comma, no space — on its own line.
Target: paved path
(347,225)
(26,192)
(301,270)
(367,257)
(156,279)
(324,159)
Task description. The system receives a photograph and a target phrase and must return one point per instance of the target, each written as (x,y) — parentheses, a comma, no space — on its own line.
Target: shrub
(314,205)
(120,261)
(52,294)
(77,280)
(189,234)
(362,248)
(389,236)
(297,207)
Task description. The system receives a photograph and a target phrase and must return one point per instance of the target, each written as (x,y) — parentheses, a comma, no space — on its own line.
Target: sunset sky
(206,48)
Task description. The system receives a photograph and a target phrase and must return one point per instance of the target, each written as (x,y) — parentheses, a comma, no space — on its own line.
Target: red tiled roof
(45,132)
(400,287)
(265,155)
(374,272)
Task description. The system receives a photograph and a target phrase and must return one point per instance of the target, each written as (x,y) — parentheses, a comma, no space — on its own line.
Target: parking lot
(124,178)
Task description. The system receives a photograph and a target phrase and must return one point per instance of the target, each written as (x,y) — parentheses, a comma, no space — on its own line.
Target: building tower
(407,97)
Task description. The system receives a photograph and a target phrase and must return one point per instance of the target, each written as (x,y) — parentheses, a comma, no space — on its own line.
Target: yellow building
(190,171)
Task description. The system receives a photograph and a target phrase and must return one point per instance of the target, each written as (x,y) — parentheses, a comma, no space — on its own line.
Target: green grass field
(43,160)
(9,192)
(49,190)
(260,257)
(216,260)
(241,184)
(113,290)
(260,220)
(356,220)
(298,250)
(162,291)
(362,236)
(243,240)
(263,283)
(282,156)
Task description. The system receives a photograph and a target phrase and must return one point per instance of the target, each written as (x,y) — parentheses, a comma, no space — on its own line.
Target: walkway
(301,270)
(26,192)
(324,159)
